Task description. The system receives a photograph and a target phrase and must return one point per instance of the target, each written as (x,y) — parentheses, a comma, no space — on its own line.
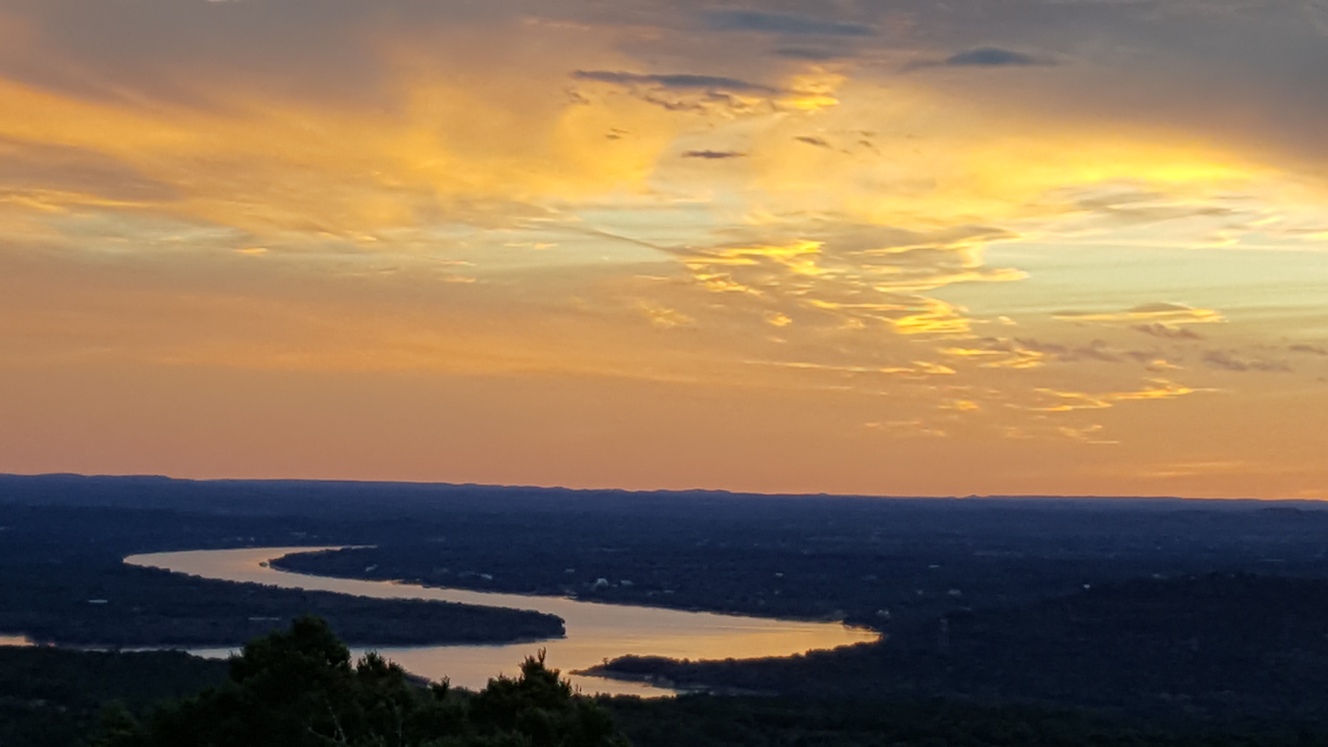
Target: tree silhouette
(299,689)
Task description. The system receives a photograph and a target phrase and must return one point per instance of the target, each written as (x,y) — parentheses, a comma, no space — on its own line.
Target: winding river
(595,631)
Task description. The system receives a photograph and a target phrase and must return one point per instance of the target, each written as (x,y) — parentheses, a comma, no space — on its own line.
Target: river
(595,631)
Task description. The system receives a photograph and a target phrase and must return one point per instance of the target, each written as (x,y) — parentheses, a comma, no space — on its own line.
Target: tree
(541,708)
(299,689)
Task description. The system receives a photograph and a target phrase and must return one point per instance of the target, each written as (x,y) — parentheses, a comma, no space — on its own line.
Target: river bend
(595,631)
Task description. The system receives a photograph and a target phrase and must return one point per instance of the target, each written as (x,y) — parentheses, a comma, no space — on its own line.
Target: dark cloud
(698,103)
(1310,349)
(819,142)
(771,22)
(1167,331)
(993,57)
(989,57)
(1228,361)
(1096,350)
(681,81)
(713,155)
(809,54)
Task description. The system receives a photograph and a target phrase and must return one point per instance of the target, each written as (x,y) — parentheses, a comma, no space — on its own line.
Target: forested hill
(51,697)
(1218,647)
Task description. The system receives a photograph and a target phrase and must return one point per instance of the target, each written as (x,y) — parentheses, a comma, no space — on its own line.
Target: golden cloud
(1157,389)
(1153,313)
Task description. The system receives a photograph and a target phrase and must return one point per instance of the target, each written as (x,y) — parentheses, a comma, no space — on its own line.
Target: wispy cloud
(1165,314)
(1167,331)
(713,155)
(789,24)
(684,81)
(1067,401)
(1227,360)
(810,54)
(704,94)
(994,57)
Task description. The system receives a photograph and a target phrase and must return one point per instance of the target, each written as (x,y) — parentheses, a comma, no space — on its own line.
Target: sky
(886,247)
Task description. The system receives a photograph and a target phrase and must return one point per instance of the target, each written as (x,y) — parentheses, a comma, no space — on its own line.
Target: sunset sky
(880,247)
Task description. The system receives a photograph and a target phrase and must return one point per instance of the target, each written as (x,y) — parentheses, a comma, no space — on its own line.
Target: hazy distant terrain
(869,561)
(62,579)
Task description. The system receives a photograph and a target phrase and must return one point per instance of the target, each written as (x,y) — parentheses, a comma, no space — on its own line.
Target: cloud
(1229,361)
(1309,349)
(856,295)
(682,81)
(1066,401)
(909,428)
(1146,314)
(809,54)
(913,369)
(1095,350)
(663,317)
(1166,331)
(1088,434)
(430,135)
(986,57)
(790,24)
(1134,205)
(710,93)
(53,174)
(1190,469)
(713,155)
(993,57)
(1025,352)
(1003,353)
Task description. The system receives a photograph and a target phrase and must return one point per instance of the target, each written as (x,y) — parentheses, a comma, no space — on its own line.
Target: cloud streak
(1226,360)
(681,81)
(713,155)
(1147,315)
(788,24)
(986,57)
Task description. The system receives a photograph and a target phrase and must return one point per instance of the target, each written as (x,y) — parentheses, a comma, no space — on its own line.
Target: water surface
(595,631)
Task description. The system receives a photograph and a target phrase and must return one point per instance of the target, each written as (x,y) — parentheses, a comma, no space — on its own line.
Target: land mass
(1006,621)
